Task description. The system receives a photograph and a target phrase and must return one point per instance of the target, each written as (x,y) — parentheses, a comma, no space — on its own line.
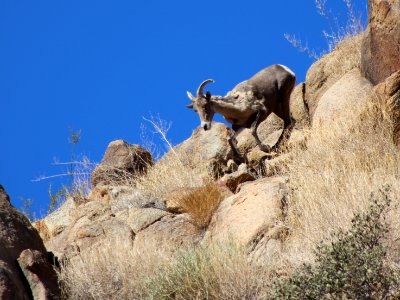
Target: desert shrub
(200,203)
(352,266)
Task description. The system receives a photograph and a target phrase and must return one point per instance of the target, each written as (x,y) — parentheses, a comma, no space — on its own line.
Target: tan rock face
(329,69)
(298,107)
(343,100)
(92,222)
(250,214)
(167,235)
(54,223)
(146,229)
(209,147)
(381,46)
(140,218)
(125,197)
(233,180)
(389,93)
(96,222)
(16,236)
(121,162)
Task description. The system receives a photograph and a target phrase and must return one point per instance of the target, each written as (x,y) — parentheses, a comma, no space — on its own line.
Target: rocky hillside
(198,225)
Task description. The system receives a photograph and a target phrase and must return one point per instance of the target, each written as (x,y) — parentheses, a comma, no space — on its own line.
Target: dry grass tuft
(217,272)
(112,271)
(201,203)
(170,173)
(335,175)
(118,272)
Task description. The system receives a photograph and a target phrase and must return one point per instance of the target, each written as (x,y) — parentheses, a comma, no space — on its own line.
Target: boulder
(81,230)
(56,222)
(250,215)
(381,45)
(268,248)
(141,218)
(269,164)
(233,180)
(298,106)
(330,68)
(388,92)
(121,163)
(95,222)
(17,235)
(343,100)
(167,235)
(123,197)
(101,194)
(255,156)
(209,147)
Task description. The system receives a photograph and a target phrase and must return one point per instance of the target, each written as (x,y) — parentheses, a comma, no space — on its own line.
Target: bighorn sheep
(249,103)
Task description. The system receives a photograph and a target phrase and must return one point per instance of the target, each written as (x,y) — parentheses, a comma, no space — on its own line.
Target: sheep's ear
(208,95)
(189,105)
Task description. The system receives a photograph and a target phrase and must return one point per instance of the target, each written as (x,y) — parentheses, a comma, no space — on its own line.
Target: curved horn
(201,87)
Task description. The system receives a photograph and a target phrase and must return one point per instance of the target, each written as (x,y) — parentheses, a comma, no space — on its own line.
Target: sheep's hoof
(265,148)
(242,160)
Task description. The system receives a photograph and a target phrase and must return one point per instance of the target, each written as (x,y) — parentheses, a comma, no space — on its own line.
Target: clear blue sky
(100,66)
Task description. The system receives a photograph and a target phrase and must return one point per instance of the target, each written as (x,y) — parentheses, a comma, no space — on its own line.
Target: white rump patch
(287,69)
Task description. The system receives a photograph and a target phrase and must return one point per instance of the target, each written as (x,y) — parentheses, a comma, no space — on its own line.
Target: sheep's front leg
(261,116)
(233,143)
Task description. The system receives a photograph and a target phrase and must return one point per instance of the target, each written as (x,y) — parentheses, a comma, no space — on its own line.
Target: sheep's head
(202,105)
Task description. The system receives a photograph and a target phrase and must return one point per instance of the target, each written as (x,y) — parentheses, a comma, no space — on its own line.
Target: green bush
(353,266)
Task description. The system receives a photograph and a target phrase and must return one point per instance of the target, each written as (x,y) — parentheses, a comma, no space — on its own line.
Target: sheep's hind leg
(254,126)
(288,125)
(233,143)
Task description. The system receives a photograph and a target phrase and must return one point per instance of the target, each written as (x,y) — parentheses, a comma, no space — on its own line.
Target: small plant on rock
(78,171)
